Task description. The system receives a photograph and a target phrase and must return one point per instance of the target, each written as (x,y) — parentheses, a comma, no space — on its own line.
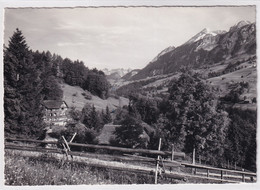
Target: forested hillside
(32,76)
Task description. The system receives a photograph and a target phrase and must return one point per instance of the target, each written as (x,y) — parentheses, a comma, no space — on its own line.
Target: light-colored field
(74,98)
(162,81)
(107,133)
(248,74)
(225,82)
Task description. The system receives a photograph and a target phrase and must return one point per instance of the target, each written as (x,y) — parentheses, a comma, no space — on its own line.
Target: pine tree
(107,116)
(23,115)
(95,119)
(86,116)
(90,118)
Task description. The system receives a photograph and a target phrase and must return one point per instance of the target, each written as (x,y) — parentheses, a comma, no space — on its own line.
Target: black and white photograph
(129,95)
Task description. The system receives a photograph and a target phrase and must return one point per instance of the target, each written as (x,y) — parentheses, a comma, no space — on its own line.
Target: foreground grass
(42,169)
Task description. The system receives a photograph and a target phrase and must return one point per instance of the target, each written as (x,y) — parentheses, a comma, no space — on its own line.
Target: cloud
(117,37)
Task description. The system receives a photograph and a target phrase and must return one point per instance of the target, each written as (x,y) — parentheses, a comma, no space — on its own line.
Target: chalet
(55,112)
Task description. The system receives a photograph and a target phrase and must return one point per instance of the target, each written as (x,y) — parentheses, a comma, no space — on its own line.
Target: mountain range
(205,48)
(120,71)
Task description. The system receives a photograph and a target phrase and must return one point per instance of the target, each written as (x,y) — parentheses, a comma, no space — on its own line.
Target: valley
(198,99)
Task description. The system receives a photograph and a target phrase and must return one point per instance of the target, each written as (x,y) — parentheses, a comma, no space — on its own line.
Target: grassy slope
(73,97)
(106,134)
(225,82)
(249,74)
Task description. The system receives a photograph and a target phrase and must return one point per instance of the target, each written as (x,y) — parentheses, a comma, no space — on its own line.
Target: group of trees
(77,74)
(87,123)
(94,119)
(234,95)
(190,117)
(28,79)
(31,77)
(193,119)
(241,138)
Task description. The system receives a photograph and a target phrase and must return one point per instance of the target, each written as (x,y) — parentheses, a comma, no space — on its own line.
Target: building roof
(53,104)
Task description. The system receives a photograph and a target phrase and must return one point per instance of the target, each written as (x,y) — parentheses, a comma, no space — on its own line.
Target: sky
(117,37)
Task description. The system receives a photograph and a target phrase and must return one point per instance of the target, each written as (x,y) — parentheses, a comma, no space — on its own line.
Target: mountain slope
(205,48)
(130,74)
(75,96)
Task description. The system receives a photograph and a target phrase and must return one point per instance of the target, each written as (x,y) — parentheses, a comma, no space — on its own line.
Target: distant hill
(120,71)
(205,48)
(130,74)
(117,75)
(113,76)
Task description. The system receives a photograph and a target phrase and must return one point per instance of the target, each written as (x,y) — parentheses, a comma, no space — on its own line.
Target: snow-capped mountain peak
(198,36)
(204,33)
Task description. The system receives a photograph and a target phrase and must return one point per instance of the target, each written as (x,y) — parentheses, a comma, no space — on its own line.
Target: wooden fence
(223,172)
(211,173)
(126,150)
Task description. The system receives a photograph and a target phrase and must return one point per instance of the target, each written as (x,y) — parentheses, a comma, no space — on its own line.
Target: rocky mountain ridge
(205,48)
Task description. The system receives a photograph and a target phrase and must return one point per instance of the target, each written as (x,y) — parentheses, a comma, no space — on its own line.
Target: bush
(130,134)
(87,96)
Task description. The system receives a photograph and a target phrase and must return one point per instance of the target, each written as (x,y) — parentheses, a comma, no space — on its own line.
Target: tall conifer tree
(22,97)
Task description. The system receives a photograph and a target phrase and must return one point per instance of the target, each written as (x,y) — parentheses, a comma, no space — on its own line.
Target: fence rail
(221,170)
(169,163)
(126,150)
(147,171)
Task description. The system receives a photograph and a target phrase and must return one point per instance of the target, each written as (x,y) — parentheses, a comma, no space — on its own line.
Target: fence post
(66,143)
(207,172)
(157,162)
(73,137)
(221,174)
(172,152)
(193,156)
(243,176)
(193,171)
